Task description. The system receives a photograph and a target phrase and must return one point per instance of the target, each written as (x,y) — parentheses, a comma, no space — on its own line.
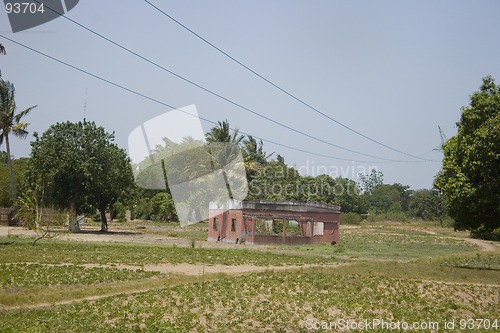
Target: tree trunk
(73,222)
(104,221)
(13,191)
(226,180)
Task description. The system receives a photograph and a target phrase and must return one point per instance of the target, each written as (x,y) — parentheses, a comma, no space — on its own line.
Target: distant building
(266,222)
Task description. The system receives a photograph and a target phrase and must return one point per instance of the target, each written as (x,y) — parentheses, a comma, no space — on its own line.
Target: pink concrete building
(266,222)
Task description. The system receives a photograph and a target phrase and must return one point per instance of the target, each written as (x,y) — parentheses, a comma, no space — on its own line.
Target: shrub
(119,212)
(484,233)
(350,218)
(388,216)
(163,208)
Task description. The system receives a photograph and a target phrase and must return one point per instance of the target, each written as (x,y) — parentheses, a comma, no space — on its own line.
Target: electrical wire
(301,101)
(212,92)
(173,107)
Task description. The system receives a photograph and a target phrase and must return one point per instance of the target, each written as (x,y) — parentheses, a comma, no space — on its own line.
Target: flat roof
(309,207)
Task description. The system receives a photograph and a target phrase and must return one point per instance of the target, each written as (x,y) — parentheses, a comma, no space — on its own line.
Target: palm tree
(222,133)
(10,122)
(2,51)
(224,148)
(254,156)
(253,151)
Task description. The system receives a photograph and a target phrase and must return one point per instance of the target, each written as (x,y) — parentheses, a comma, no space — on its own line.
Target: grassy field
(381,274)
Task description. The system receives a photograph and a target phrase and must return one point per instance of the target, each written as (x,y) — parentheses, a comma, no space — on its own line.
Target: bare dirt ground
(91,235)
(137,236)
(120,236)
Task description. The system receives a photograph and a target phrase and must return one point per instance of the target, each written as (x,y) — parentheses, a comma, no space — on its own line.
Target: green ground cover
(290,301)
(386,272)
(56,252)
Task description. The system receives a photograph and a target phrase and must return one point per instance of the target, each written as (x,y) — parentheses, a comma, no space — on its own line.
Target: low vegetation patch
(26,275)
(388,272)
(56,252)
(397,246)
(286,301)
(477,261)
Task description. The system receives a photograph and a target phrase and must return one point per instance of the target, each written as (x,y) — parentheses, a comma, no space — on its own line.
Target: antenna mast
(85,105)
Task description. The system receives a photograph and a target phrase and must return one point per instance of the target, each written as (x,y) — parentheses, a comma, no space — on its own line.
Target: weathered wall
(245,226)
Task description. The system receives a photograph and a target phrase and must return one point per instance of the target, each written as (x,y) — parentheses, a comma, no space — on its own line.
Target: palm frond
(19,130)
(20,115)
(9,120)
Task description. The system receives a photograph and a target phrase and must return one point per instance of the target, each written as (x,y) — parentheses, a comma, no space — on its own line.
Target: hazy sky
(391,70)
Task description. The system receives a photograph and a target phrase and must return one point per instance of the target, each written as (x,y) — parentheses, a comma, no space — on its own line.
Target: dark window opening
(216,224)
(233,224)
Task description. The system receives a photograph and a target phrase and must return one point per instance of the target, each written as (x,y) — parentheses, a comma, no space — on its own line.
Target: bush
(120,212)
(483,233)
(350,218)
(388,216)
(143,209)
(163,208)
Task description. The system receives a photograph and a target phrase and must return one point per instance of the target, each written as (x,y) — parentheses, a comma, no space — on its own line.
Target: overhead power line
(164,103)
(211,91)
(152,99)
(301,101)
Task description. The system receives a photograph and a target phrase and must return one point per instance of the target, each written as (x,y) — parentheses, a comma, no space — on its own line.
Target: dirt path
(486,246)
(122,236)
(134,236)
(199,270)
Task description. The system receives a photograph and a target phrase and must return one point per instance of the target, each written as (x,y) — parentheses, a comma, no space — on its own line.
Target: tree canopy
(77,166)
(470,175)
(19,166)
(11,124)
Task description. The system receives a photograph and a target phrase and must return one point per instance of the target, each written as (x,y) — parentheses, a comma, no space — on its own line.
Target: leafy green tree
(317,189)
(382,198)
(10,123)
(253,151)
(254,156)
(385,198)
(275,181)
(370,181)
(404,195)
(19,166)
(348,196)
(77,166)
(162,207)
(110,173)
(3,157)
(5,195)
(470,176)
(428,205)
(143,209)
